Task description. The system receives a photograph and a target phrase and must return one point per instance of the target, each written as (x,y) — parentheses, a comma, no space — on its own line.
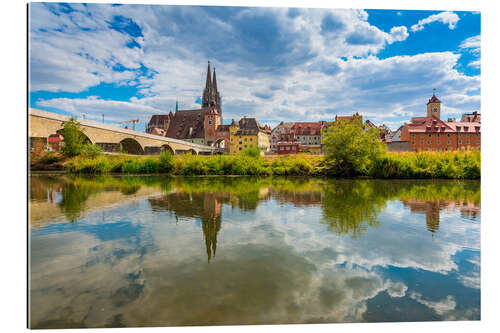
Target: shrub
(252,152)
(73,138)
(350,148)
(50,158)
(166,162)
(91,150)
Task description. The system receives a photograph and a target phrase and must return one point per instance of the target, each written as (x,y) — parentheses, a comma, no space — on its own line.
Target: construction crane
(133,121)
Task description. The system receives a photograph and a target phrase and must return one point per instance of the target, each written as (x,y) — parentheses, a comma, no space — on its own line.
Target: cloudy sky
(132,61)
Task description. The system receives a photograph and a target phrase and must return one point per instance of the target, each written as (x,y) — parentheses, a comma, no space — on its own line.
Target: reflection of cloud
(397,289)
(442,306)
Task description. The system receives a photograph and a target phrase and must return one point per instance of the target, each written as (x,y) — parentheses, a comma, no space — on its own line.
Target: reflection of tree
(350,207)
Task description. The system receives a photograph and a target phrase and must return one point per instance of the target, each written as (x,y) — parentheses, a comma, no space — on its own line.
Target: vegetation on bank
(422,165)
(351,151)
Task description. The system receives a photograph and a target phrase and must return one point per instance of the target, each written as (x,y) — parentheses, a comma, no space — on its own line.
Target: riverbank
(421,165)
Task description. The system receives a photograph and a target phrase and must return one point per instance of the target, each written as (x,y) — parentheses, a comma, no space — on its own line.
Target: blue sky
(290,64)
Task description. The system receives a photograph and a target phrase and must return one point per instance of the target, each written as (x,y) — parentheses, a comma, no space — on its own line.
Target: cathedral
(196,126)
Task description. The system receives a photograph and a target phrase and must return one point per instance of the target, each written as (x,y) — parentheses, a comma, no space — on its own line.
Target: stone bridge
(111,138)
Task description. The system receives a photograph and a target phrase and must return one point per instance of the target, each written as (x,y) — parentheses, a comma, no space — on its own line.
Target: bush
(351,149)
(50,158)
(73,138)
(91,150)
(166,162)
(252,152)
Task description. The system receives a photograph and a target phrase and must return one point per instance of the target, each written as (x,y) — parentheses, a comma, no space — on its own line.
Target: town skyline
(274,64)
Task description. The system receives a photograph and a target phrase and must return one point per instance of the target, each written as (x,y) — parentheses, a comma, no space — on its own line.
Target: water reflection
(279,251)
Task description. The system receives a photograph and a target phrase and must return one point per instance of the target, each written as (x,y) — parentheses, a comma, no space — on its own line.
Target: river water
(154,251)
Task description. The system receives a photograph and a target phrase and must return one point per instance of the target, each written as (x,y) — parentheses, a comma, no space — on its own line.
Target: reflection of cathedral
(432,210)
(206,206)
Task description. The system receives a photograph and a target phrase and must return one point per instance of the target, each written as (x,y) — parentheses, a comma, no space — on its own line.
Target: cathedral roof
(188,124)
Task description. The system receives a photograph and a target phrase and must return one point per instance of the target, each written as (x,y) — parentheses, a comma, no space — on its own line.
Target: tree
(74,139)
(350,149)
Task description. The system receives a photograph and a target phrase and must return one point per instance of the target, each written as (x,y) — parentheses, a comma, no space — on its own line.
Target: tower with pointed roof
(211,96)
(434,106)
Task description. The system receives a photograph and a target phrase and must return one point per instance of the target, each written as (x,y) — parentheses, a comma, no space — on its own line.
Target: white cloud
(441,307)
(449,18)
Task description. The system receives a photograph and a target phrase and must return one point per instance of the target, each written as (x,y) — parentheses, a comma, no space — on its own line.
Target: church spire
(208,84)
(214,83)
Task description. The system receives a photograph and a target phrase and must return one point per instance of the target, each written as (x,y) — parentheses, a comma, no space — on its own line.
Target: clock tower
(434,106)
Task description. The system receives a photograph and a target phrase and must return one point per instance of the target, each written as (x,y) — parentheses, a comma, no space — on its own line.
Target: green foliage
(50,158)
(91,150)
(450,165)
(351,149)
(74,139)
(252,152)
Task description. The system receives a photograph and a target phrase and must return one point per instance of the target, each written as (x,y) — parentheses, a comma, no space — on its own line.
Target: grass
(422,165)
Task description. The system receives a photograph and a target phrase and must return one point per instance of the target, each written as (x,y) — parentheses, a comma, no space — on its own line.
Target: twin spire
(211,96)
(211,84)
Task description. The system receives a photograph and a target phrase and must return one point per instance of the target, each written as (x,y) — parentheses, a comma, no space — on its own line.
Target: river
(128,251)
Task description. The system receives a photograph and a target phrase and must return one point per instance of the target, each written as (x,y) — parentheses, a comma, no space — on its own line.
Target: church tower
(434,106)
(211,96)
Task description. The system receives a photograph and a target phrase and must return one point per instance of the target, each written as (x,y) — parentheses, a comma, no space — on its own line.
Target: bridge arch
(167,147)
(86,140)
(131,146)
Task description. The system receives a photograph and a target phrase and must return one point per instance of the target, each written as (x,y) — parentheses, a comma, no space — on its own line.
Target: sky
(274,64)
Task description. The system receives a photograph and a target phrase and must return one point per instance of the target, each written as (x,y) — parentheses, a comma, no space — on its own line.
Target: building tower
(211,96)
(434,106)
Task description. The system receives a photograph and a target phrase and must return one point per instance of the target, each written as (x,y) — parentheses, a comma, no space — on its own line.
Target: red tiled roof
(308,128)
(188,124)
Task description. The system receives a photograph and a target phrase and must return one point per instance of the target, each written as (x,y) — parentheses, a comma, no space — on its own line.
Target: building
(54,141)
(310,135)
(287,144)
(430,133)
(160,121)
(356,116)
(199,125)
(222,136)
(280,129)
(248,133)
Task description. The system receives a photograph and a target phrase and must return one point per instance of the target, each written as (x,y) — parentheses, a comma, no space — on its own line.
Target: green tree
(74,139)
(91,150)
(350,149)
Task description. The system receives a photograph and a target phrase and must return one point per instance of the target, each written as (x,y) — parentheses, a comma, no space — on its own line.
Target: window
(448,134)
(413,135)
(438,135)
(422,135)
(210,122)
(245,139)
(428,142)
(459,142)
(241,142)
(245,146)
(467,134)
(413,142)
(251,139)
(459,134)
(281,148)
(287,147)
(468,142)
(439,142)
(239,148)
(422,143)
(449,142)
(430,135)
